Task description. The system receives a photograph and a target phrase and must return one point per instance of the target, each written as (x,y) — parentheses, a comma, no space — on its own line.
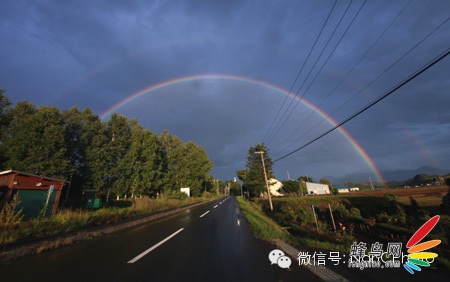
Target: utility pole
(265,178)
(240,184)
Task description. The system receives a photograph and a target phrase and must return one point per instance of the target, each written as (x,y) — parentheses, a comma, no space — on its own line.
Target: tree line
(118,155)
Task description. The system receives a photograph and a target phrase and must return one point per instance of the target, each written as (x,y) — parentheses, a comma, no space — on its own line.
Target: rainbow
(166,83)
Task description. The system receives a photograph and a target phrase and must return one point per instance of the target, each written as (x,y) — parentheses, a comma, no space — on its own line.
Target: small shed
(34,191)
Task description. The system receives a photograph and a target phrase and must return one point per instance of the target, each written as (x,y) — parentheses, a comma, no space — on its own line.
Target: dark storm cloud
(97,53)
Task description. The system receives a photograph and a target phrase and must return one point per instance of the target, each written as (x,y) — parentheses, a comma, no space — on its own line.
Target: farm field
(429,198)
(385,215)
(402,192)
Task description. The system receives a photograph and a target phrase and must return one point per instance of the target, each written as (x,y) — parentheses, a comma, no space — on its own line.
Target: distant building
(276,188)
(317,188)
(341,188)
(345,189)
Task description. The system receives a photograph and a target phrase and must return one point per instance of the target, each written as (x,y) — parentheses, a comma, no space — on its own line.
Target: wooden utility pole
(332,218)
(265,178)
(315,218)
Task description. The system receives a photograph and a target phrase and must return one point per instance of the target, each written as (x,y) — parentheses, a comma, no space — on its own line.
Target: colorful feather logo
(416,256)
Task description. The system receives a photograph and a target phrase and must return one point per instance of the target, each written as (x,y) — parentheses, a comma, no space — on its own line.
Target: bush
(208,195)
(176,195)
(9,215)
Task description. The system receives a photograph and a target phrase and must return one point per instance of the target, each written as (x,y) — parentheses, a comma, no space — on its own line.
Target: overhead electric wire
(390,67)
(328,58)
(275,132)
(298,74)
(278,126)
(359,92)
(398,86)
(342,80)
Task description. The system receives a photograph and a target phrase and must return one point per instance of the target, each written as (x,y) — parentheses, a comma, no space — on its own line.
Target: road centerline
(204,214)
(155,246)
(216,206)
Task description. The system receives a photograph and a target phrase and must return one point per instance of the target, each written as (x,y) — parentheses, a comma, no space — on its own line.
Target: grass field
(428,198)
(406,192)
(385,215)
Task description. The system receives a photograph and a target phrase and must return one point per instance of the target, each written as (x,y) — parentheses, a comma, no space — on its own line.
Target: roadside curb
(320,271)
(49,243)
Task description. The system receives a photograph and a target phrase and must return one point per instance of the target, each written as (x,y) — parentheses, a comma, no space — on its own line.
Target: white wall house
(317,188)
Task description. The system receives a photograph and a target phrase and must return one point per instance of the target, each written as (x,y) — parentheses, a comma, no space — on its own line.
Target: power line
(348,73)
(398,86)
(278,127)
(298,74)
(396,62)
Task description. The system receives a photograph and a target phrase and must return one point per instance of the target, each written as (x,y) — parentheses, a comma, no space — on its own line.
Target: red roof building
(34,192)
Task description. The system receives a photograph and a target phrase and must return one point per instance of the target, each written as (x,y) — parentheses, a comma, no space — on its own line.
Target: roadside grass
(75,220)
(265,228)
(262,226)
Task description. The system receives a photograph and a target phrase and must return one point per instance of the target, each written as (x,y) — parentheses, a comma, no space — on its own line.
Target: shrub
(9,215)
(176,195)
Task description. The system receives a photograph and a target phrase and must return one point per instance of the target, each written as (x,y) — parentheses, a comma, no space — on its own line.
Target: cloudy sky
(231,74)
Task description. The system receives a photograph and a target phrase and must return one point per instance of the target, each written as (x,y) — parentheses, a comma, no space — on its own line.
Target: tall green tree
(173,153)
(16,135)
(255,182)
(291,186)
(188,164)
(152,164)
(117,155)
(118,129)
(81,128)
(36,141)
(5,108)
(143,164)
(129,164)
(99,160)
(197,167)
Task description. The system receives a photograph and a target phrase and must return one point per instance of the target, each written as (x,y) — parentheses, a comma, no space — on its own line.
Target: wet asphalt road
(207,243)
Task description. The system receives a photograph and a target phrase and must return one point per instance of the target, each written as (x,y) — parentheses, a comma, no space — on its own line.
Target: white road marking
(204,214)
(215,206)
(154,247)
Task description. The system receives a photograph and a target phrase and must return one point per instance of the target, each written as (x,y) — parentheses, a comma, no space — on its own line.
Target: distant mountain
(392,175)
(402,175)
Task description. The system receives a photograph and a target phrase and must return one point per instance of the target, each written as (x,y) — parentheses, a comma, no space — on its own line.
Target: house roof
(6,172)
